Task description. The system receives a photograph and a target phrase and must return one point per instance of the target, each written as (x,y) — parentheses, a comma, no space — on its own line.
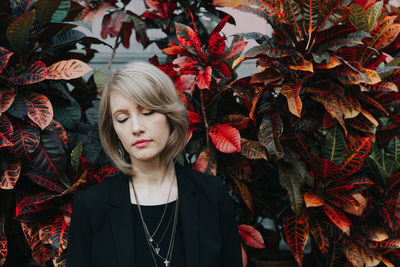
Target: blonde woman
(155,212)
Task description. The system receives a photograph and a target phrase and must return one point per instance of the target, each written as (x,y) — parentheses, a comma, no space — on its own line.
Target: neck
(153,175)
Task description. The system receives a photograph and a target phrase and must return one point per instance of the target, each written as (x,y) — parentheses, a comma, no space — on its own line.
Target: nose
(137,125)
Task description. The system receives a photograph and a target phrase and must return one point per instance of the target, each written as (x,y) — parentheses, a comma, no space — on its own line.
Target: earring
(121,151)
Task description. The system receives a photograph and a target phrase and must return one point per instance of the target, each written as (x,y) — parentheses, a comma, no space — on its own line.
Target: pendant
(157,250)
(151,239)
(166,262)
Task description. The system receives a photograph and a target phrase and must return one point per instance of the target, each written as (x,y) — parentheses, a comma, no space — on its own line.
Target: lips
(141,142)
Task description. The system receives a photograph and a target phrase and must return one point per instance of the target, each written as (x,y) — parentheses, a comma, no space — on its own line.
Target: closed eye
(148,113)
(123,120)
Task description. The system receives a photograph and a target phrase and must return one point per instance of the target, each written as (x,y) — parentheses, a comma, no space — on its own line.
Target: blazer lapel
(122,221)
(189,209)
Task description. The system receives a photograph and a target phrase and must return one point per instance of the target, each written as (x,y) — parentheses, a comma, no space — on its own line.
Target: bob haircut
(149,87)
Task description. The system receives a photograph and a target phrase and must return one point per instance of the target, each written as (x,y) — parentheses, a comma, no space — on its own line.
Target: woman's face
(143,133)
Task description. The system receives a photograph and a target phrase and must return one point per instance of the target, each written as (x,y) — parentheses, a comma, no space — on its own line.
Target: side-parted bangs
(151,88)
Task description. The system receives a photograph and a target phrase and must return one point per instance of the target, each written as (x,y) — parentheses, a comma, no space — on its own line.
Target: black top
(152,216)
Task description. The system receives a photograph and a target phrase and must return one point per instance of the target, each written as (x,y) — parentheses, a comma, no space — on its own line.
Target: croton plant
(311,141)
(323,111)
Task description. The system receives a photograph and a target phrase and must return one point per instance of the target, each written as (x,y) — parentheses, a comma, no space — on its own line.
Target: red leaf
(187,37)
(44,182)
(3,241)
(185,83)
(40,252)
(216,46)
(60,132)
(112,23)
(6,131)
(126,30)
(235,49)
(4,57)
(223,69)
(89,14)
(26,140)
(31,205)
(34,74)
(204,78)
(225,138)
(11,175)
(356,152)
(194,117)
(251,236)
(388,243)
(320,237)
(244,256)
(205,162)
(6,99)
(40,110)
(338,218)
(220,25)
(296,231)
(59,234)
(325,168)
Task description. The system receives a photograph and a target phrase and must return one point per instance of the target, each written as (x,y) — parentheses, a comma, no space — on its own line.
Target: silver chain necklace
(149,237)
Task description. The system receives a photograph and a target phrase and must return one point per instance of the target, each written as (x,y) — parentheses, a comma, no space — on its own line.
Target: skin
(132,123)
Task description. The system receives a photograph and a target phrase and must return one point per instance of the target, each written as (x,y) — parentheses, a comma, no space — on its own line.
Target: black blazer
(101,233)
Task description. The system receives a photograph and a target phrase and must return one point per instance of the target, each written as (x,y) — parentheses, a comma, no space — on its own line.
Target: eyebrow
(140,108)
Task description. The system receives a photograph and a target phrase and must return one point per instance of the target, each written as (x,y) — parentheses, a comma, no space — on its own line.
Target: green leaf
(268,49)
(45,10)
(335,146)
(68,116)
(271,129)
(229,61)
(18,30)
(292,175)
(373,14)
(333,12)
(351,40)
(377,163)
(91,151)
(393,155)
(320,58)
(62,11)
(101,78)
(76,156)
(393,63)
(358,17)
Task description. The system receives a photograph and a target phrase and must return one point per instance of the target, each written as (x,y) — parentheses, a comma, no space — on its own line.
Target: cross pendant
(166,262)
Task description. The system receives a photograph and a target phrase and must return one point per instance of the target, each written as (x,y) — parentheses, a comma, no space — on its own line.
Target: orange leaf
(252,149)
(338,218)
(333,62)
(225,138)
(251,236)
(352,252)
(313,200)
(244,193)
(205,162)
(353,209)
(296,231)
(291,92)
(269,74)
(40,110)
(244,256)
(305,66)
(68,69)
(11,175)
(174,50)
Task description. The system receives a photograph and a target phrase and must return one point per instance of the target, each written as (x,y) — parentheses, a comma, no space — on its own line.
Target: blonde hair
(149,87)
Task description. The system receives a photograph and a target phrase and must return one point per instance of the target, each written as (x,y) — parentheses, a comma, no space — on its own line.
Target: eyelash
(145,114)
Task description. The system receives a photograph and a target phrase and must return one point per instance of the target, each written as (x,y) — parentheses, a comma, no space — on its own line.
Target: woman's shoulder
(96,193)
(202,181)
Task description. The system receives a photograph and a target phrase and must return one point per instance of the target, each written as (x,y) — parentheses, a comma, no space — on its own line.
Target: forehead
(119,101)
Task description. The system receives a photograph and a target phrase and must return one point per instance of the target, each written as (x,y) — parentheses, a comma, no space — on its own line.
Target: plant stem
(116,44)
(203,111)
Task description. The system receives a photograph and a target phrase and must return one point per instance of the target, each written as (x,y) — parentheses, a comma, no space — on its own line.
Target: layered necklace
(154,245)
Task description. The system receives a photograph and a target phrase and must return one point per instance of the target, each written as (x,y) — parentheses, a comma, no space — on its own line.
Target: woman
(155,212)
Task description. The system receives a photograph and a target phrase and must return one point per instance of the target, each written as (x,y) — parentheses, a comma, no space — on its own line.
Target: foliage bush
(311,141)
